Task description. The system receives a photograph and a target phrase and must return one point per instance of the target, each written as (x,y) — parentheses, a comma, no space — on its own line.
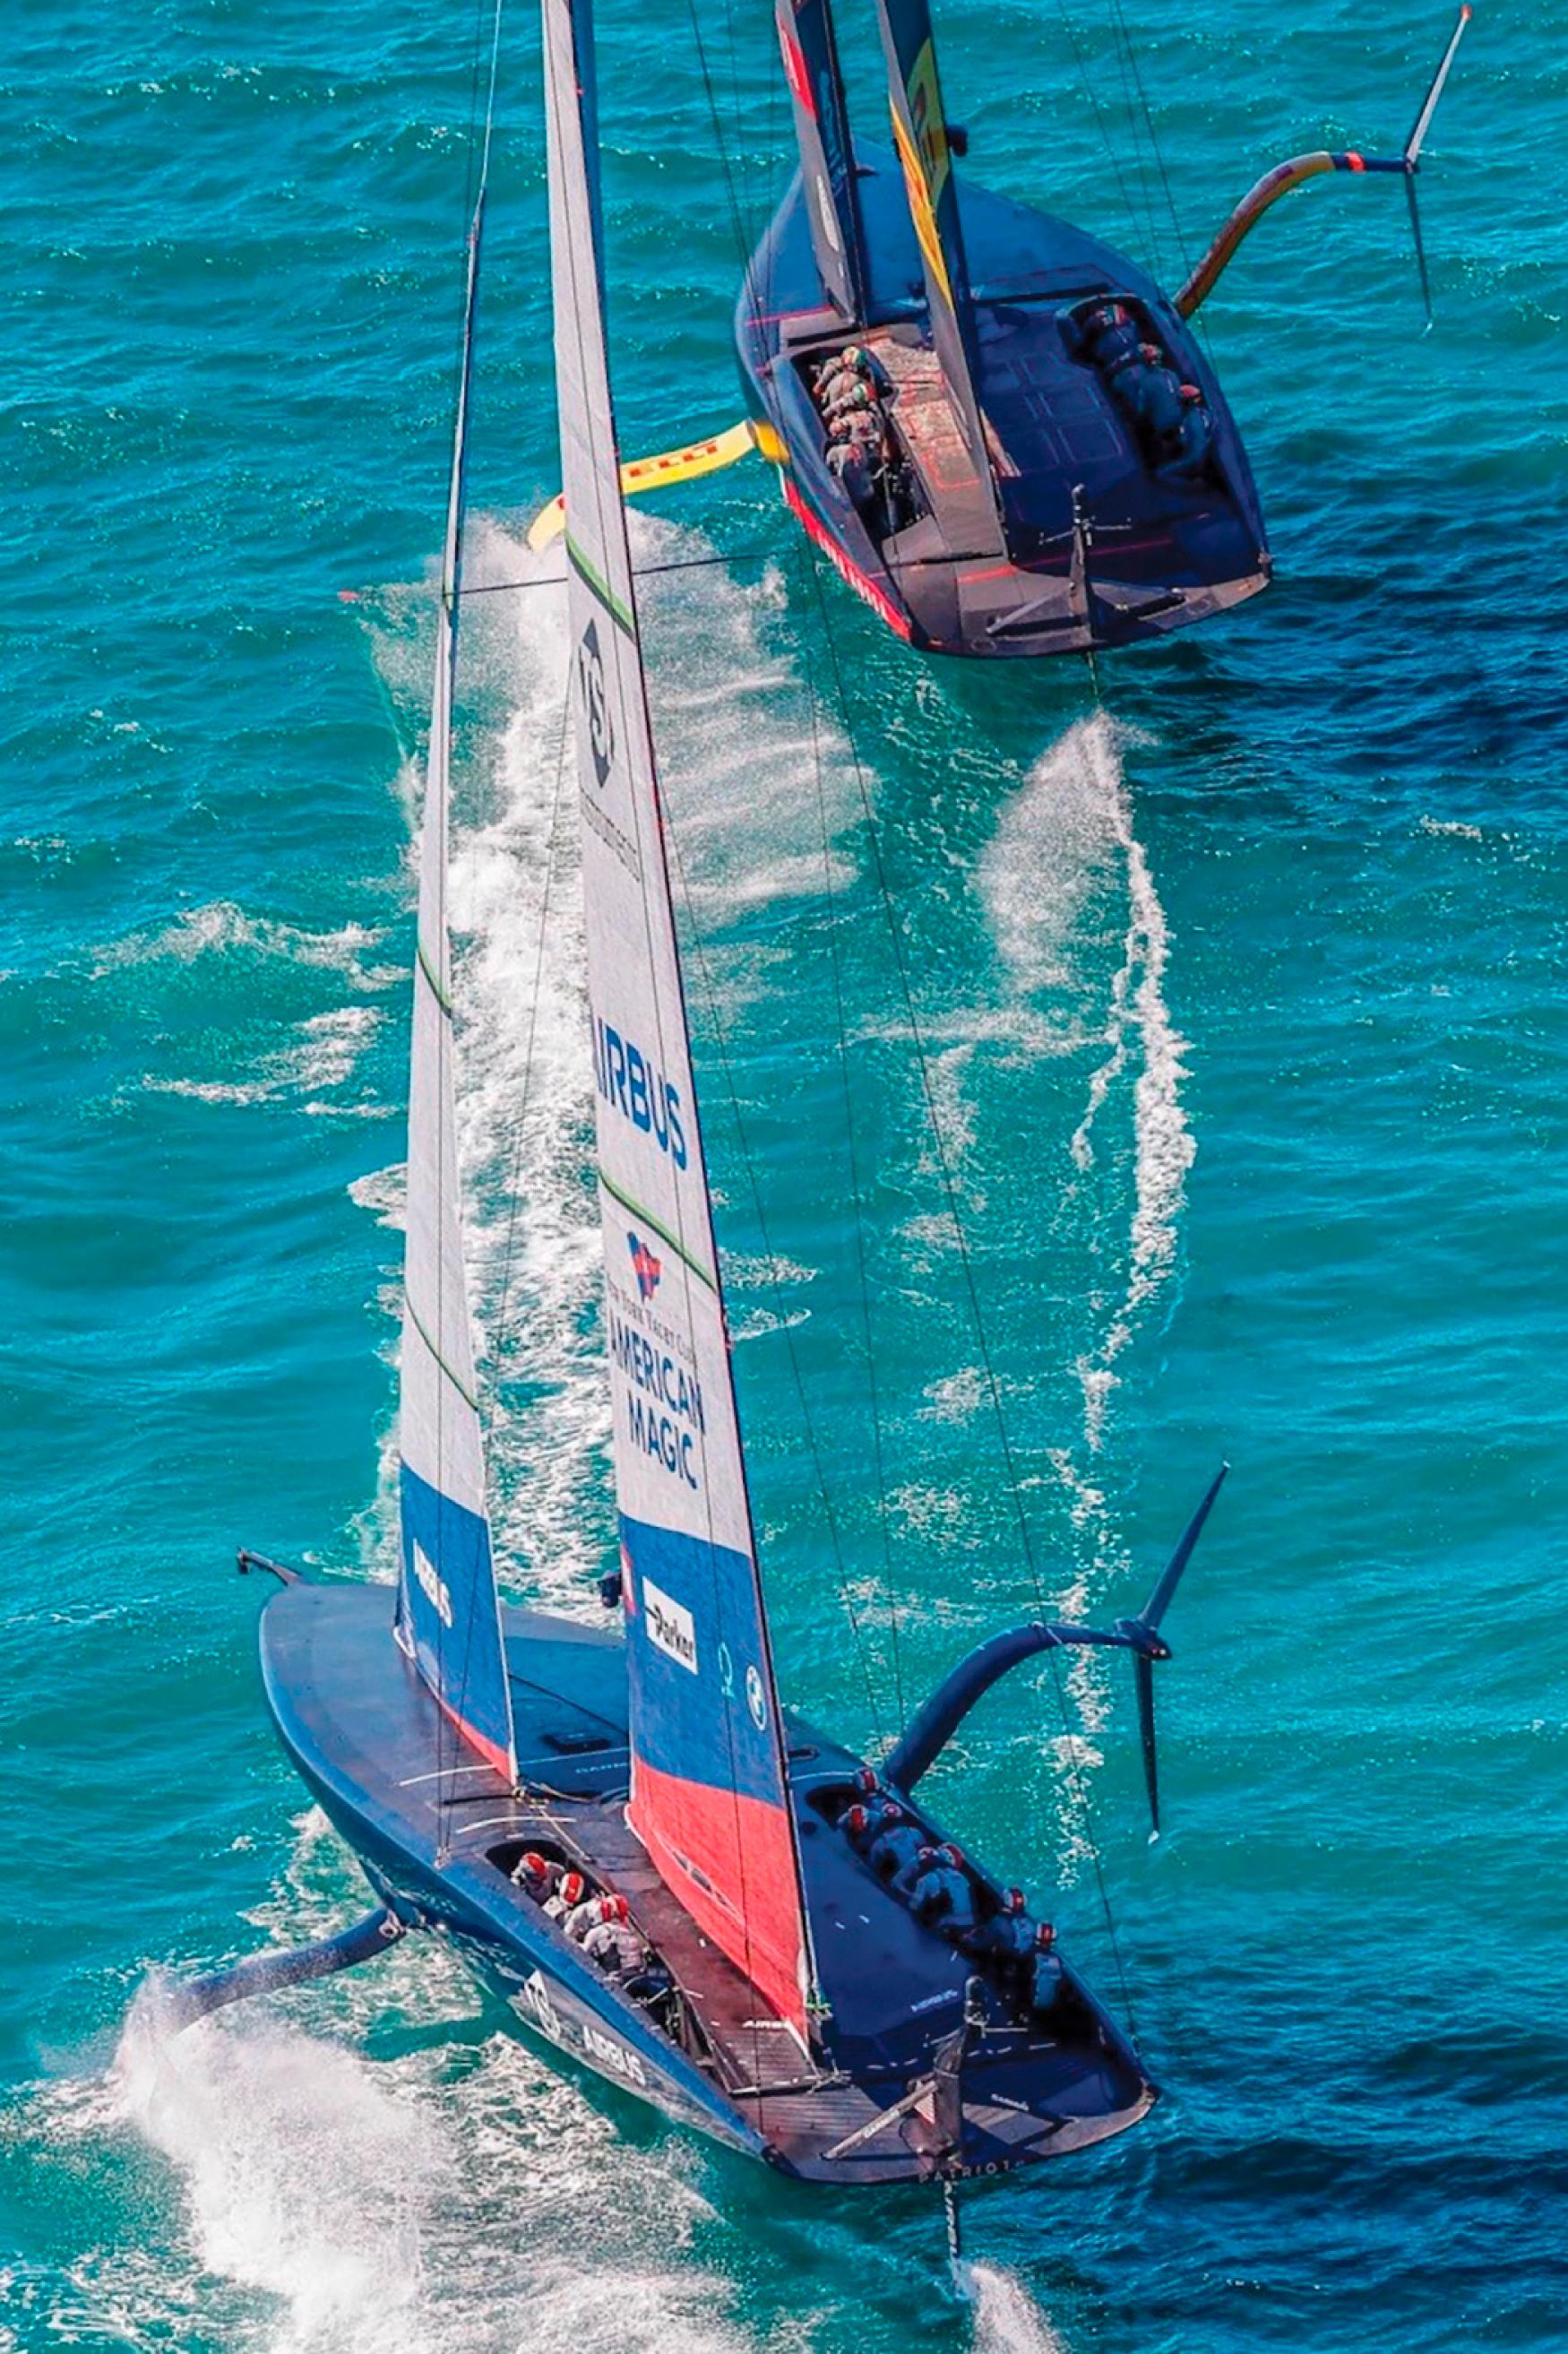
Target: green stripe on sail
(670,1241)
(603,591)
(423,961)
(413,1316)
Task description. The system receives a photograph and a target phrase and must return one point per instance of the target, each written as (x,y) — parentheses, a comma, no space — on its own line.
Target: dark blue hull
(437,1833)
(1099,546)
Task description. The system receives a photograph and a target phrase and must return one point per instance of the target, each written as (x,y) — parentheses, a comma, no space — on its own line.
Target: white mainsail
(710,1798)
(448,1615)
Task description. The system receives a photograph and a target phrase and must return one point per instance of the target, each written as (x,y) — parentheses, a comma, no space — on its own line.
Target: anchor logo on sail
(596,704)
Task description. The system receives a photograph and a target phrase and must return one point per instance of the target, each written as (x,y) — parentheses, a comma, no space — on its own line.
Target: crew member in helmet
(894,1851)
(613,1942)
(1008,1935)
(942,1896)
(536,1876)
(1161,395)
(571,1891)
(584,1916)
(873,1811)
(849,396)
(1046,1985)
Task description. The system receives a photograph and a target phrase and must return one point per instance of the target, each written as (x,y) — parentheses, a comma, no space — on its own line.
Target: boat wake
(1007,2319)
(1063,843)
(1068,883)
(334,2204)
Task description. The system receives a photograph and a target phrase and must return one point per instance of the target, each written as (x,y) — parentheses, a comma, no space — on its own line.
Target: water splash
(305,2175)
(1007,2319)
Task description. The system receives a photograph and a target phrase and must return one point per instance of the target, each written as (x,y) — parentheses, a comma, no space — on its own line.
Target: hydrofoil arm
(935,1725)
(262,1973)
(1301,168)
(661,473)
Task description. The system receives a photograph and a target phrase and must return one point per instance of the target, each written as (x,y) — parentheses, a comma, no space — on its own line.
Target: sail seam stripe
(600,587)
(414,1318)
(425,966)
(672,1242)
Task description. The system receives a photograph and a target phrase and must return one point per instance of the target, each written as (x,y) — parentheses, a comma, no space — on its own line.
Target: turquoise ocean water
(1242,1005)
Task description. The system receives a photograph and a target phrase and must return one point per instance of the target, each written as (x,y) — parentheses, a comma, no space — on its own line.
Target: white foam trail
(221,925)
(335,2204)
(371,2209)
(1065,847)
(1007,2319)
(1057,847)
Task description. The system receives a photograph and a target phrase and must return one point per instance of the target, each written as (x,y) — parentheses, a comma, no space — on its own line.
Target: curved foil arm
(1256,202)
(1286,176)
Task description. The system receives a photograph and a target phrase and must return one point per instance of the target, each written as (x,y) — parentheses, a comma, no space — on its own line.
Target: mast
(449,1611)
(827,155)
(710,1797)
(920,135)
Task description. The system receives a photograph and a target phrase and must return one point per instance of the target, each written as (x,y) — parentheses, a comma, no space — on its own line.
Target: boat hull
(436,1834)
(1157,552)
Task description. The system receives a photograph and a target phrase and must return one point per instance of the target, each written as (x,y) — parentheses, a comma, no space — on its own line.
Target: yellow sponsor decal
(924,92)
(922,214)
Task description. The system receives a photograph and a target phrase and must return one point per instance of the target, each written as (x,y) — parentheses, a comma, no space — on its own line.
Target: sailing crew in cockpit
(942,1896)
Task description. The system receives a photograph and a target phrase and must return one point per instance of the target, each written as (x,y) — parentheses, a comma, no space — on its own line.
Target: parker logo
(433,1585)
(596,704)
(671,1626)
(644,1265)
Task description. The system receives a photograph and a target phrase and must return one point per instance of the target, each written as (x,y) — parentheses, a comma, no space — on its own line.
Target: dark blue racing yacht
(659,1869)
(1028,452)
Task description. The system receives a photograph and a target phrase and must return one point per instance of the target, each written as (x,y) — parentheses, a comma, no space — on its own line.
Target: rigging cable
(1136,72)
(514,1184)
(1070,1743)
(1087,84)
(744,254)
(1070,1752)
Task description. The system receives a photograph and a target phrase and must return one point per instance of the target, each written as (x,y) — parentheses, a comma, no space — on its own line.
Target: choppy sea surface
(1231,1004)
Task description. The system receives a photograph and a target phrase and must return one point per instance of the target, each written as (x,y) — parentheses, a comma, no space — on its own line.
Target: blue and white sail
(709,1797)
(449,1611)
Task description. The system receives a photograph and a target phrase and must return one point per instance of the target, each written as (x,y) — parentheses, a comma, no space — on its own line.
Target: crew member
(536,1876)
(584,1914)
(613,1942)
(1008,1935)
(942,1896)
(571,1891)
(849,396)
(1048,1973)
(895,1853)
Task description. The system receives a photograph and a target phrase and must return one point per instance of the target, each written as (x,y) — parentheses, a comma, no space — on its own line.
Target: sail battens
(672,1242)
(417,1323)
(709,1798)
(424,965)
(614,606)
